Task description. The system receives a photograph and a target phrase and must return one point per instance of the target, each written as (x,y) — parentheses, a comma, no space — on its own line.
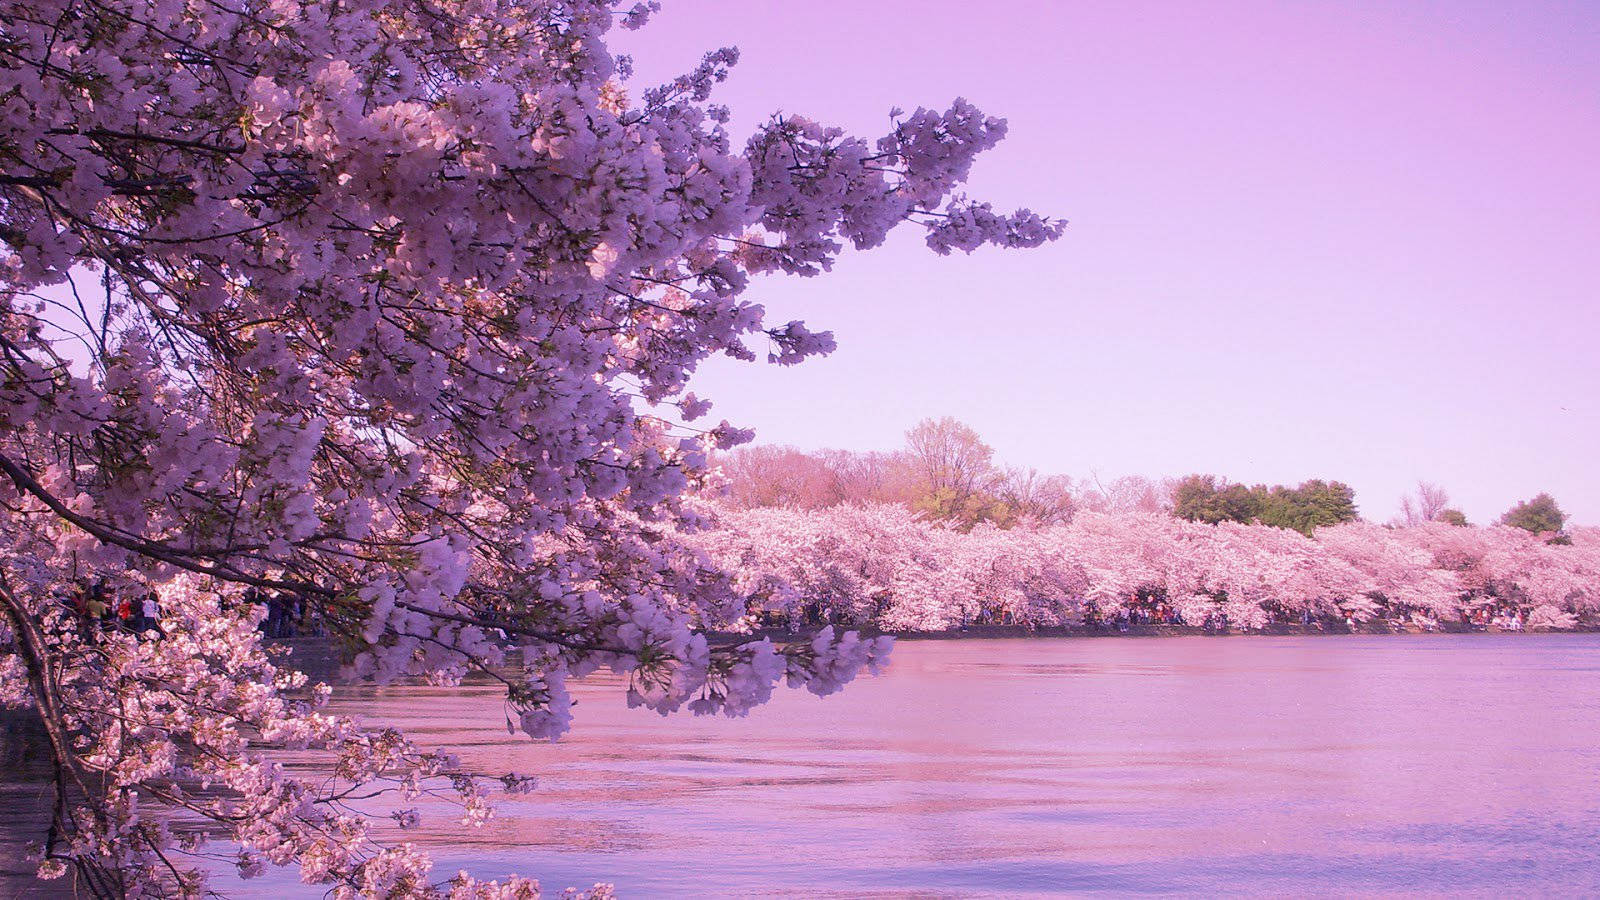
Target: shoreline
(314,655)
(1020,632)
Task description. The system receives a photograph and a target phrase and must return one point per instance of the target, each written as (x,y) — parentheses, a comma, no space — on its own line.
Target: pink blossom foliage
(354,304)
(883,566)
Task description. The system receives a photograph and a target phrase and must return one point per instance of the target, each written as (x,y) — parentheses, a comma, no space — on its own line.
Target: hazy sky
(1344,240)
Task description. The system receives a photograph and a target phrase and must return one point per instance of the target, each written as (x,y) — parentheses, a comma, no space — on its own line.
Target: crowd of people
(286,615)
(1141,611)
(96,608)
(1506,619)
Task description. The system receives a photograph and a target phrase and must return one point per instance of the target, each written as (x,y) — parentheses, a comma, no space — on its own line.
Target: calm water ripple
(1447,765)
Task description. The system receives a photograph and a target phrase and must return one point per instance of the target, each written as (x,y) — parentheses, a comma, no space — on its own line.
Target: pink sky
(1344,240)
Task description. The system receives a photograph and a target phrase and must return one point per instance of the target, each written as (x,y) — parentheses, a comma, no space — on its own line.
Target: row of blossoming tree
(887,567)
(353,303)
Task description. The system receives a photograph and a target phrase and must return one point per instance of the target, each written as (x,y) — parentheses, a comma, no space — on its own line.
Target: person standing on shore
(150,613)
(79,601)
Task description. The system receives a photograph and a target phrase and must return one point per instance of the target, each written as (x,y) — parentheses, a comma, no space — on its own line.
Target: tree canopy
(1314,503)
(879,564)
(945,471)
(355,304)
(1539,514)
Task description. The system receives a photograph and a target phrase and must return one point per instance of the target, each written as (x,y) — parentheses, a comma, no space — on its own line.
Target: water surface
(1264,765)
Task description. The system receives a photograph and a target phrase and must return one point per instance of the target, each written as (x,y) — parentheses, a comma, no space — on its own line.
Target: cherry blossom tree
(357,306)
(888,567)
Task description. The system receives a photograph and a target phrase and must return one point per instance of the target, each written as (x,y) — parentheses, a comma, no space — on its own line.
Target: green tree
(1306,508)
(956,472)
(1206,498)
(1209,499)
(965,510)
(1540,515)
(1453,516)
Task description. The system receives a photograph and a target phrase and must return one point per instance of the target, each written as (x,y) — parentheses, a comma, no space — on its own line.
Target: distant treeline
(946,473)
(887,567)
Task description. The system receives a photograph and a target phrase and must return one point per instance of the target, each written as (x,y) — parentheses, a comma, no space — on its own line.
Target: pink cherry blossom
(884,567)
(374,300)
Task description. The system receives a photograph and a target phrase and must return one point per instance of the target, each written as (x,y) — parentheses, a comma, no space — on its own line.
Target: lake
(1439,764)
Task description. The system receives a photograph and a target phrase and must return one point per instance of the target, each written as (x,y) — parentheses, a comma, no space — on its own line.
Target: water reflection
(25,799)
(1438,764)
